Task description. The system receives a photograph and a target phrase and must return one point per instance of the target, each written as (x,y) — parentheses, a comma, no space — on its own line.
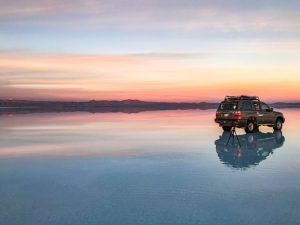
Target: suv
(247,112)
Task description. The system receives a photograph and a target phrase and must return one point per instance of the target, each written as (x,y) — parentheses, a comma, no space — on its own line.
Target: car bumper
(231,122)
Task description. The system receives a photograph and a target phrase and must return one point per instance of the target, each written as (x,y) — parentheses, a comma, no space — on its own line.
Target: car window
(228,106)
(255,105)
(264,106)
(247,105)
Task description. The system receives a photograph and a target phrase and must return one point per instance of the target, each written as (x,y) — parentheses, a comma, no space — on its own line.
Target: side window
(246,105)
(264,106)
(255,105)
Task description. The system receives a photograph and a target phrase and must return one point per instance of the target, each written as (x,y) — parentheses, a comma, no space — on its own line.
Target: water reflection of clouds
(109,134)
(113,134)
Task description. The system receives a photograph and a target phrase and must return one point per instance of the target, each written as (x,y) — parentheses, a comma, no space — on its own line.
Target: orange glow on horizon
(151,78)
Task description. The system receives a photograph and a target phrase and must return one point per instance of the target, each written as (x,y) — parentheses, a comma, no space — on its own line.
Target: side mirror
(270,110)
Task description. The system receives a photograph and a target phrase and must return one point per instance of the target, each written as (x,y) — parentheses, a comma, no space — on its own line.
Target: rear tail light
(218,114)
(238,115)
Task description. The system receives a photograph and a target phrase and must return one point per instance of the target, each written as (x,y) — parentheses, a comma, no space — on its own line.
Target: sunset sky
(149,50)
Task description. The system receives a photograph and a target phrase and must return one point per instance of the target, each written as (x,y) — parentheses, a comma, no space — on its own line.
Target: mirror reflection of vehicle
(254,148)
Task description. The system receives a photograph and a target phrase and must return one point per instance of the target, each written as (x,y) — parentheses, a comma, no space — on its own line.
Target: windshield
(228,106)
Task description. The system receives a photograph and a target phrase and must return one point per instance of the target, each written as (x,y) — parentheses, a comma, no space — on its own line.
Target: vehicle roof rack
(241,97)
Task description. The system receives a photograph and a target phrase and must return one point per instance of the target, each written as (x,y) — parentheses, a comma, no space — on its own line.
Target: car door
(265,115)
(257,112)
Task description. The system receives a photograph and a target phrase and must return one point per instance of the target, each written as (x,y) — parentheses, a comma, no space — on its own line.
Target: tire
(277,134)
(278,124)
(250,128)
(278,137)
(250,139)
(226,128)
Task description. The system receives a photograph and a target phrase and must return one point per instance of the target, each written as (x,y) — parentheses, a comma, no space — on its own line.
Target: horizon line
(202,101)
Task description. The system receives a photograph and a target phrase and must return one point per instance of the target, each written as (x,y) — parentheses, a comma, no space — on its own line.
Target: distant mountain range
(93,106)
(101,106)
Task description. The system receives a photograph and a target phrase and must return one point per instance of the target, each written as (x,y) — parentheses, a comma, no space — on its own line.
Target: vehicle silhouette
(247,112)
(254,148)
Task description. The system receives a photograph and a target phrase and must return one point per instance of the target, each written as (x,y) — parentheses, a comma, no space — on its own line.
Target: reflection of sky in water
(145,168)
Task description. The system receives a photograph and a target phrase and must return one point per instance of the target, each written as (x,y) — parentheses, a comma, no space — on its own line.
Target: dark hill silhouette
(101,106)
(94,106)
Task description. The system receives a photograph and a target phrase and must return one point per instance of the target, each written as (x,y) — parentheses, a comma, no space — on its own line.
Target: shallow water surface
(164,167)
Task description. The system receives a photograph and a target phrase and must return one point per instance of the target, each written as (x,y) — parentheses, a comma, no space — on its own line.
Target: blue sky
(198,42)
(143,26)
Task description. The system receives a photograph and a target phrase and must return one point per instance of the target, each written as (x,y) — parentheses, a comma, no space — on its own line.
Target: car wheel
(250,127)
(278,136)
(250,138)
(278,124)
(226,128)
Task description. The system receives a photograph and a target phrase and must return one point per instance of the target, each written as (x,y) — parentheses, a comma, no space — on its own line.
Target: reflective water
(168,167)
